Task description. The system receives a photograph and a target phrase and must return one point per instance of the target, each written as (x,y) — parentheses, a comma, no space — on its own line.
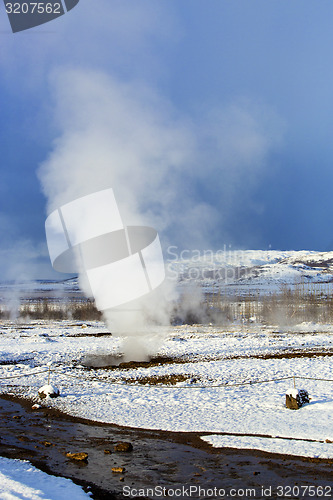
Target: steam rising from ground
(20,261)
(124,135)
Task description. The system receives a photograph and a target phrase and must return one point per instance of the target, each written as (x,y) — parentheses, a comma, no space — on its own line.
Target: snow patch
(19,479)
(273,445)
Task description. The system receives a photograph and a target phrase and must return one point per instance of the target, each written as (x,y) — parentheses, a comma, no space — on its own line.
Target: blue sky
(211,120)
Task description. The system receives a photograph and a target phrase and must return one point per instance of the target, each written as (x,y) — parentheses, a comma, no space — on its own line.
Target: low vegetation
(53,310)
(290,305)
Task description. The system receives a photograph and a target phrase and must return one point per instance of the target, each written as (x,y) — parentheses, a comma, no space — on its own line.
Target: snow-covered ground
(20,480)
(205,399)
(227,383)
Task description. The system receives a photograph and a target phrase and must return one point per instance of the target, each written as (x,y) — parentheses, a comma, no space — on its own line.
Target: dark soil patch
(112,362)
(155,361)
(273,355)
(15,361)
(98,334)
(293,354)
(160,379)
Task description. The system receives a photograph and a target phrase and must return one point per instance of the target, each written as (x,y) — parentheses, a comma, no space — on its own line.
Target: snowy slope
(20,480)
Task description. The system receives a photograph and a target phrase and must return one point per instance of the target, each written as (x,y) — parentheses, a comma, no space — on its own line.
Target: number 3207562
(33,8)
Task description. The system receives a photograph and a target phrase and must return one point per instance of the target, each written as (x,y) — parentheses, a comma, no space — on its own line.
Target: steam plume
(125,136)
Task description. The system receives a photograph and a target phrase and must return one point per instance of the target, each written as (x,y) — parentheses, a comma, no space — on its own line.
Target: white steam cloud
(124,135)
(20,260)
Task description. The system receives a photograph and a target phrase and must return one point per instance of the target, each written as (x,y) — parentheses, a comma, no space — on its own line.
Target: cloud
(123,35)
(185,178)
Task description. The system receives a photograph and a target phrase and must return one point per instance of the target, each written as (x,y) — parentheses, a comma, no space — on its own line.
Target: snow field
(195,404)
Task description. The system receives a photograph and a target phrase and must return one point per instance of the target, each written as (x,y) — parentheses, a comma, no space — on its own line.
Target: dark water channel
(159,459)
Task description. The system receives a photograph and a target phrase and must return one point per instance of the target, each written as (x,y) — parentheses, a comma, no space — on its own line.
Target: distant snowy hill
(244,270)
(254,269)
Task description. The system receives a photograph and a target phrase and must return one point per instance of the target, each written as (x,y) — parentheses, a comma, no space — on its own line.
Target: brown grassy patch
(156,361)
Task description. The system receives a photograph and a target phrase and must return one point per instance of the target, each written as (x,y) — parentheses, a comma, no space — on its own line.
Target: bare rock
(79,457)
(118,470)
(24,439)
(303,396)
(123,446)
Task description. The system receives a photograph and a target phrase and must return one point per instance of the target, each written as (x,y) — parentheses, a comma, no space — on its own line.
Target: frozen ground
(204,364)
(19,480)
